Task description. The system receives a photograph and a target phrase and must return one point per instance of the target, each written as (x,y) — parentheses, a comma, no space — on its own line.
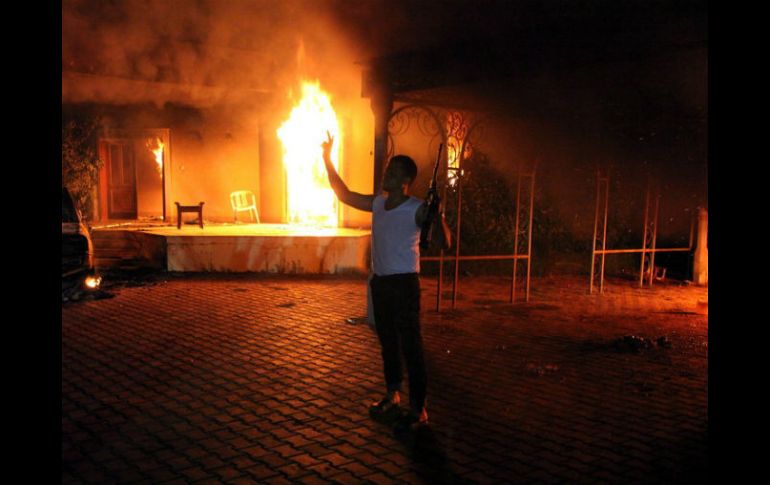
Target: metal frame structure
(597,256)
(522,238)
(457,136)
(649,241)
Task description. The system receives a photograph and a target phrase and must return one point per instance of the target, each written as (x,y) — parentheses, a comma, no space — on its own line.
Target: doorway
(121,176)
(133,178)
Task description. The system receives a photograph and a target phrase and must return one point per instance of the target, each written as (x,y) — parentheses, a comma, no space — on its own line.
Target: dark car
(77,248)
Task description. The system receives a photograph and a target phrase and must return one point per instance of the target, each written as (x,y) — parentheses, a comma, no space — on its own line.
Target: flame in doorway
(155,145)
(310,199)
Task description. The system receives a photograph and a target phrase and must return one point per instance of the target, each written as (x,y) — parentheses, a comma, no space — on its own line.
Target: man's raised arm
(354,199)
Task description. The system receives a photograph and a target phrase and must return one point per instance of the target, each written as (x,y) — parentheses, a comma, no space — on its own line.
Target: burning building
(197,104)
(190,110)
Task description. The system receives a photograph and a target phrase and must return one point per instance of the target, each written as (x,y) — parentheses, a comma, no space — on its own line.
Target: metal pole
(627,251)
(529,237)
(440,277)
(483,257)
(654,237)
(441,251)
(692,229)
(596,228)
(690,255)
(516,238)
(644,234)
(604,231)
(457,237)
(163,180)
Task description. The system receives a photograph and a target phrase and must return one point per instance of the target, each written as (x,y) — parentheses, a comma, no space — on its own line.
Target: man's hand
(346,196)
(327,146)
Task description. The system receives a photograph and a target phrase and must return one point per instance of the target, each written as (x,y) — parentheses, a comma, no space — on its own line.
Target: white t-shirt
(395,237)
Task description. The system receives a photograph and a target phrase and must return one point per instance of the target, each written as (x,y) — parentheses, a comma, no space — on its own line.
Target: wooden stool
(188,208)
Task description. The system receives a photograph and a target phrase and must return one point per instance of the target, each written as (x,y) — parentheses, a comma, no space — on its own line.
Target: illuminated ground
(260,379)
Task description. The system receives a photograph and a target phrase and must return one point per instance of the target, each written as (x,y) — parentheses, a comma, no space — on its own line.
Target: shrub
(80,163)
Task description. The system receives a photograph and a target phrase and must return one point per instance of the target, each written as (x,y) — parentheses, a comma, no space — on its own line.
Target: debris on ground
(80,294)
(632,343)
(664,342)
(541,370)
(121,278)
(636,344)
(356,320)
(641,387)
(453,330)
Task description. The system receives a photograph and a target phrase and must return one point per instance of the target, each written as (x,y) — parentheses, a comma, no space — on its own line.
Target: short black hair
(410,168)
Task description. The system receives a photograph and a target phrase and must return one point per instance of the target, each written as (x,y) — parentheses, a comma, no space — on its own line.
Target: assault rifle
(432,200)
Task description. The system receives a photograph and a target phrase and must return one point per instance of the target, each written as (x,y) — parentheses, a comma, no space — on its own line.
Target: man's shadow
(429,456)
(426,451)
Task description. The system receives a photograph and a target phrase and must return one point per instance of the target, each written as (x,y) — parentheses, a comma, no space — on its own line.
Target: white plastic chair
(244,200)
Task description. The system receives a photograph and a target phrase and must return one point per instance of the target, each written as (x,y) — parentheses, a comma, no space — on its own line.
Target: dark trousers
(396,302)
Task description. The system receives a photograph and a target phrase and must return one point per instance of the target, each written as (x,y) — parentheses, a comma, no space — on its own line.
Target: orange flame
(310,199)
(155,145)
(455,141)
(452,160)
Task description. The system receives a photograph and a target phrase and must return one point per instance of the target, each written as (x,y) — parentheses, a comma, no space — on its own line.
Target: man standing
(395,286)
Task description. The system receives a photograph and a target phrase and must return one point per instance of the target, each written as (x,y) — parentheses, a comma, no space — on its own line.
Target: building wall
(212,152)
(357,166)
(211,159)
(209,154)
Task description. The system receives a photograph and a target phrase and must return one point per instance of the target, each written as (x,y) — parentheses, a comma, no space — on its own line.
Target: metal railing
(649,241)
(523,225)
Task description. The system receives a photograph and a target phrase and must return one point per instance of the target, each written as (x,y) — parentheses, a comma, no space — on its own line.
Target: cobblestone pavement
(254,379)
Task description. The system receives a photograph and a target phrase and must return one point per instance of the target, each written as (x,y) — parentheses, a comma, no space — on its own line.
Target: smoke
(199,52)
(648,113)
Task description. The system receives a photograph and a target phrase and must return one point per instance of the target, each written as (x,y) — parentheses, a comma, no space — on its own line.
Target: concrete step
(116,244)
(118,248)
(104,263)
(111,234)
(128,264)
(121,253)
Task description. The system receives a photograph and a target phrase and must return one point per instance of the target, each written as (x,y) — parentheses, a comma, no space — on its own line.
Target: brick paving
(256,379)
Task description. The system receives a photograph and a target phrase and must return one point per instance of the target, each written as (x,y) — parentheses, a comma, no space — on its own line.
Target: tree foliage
(80,162)
(488,213)
(489,220)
